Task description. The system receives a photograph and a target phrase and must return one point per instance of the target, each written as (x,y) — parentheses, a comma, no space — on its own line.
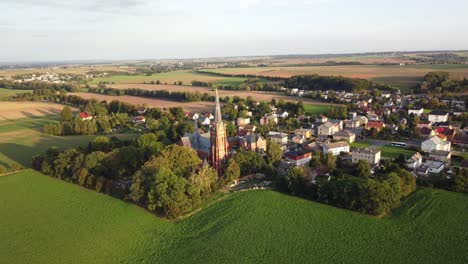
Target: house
(280,138)
(414,162)
(299,158)
(142,109)
(372,117)
(328,129)
(422,124)
(345,135)
(298,139)
(139,120)
(435,143)
(438,116)
(441,155)
(206,121)
(427,132)
(416,111)
(321,119)
(85,116)
(377,125)
(246,130)
(254,142)
(242,121)
(336,148)
(446,132)
(372,155)
(283,114)
(352,123)
(271,119)
(307,133)
(430,166)
(337,122)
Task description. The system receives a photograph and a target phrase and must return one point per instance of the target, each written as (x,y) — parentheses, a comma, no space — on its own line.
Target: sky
(60,30)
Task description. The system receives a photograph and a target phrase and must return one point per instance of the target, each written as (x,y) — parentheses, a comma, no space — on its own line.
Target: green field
(170,77)
(387,151)
(10,92)
(27,123)
(45,220)
(316,109)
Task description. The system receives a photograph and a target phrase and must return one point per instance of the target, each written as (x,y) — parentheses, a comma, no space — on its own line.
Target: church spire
(218,116)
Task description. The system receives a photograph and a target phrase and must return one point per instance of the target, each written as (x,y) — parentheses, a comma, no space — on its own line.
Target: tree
(231,172)
(408,182)
(100,143)
(274,152)
(204,181)
(296,181)
(82,176)
(180,160)
(168,194)
(3,169)
(67,114)
(460,183)
(330,161)
(363,169)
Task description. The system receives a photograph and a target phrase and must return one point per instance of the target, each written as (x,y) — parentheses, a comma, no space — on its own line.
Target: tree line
(316,82)
(440,82)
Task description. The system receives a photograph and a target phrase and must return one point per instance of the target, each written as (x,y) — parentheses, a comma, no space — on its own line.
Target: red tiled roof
(375,124)
(84,115)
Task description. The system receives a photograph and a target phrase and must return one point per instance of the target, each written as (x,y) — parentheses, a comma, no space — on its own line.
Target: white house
(415,161)
(336,148)
(345,135)
(280,138)
(415,111)
(438,116)
(430,166)
(328,129)
(435,143)
(242,121)
(372,155)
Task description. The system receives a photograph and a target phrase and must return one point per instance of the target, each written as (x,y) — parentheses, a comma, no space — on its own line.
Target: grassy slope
(316,109)
(27,123)
(59,222)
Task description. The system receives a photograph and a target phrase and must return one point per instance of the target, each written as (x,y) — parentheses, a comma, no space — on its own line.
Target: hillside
(50,221)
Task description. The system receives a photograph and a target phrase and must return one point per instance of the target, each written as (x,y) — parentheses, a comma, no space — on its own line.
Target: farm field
(15,110)
(27,123)
(66,70)
(402,76)
(10,92)
(58,222)
(198,106)
(170,77)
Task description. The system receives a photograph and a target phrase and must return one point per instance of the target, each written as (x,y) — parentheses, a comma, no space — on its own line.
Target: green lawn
(45,220)
(387,151)
(316,109)
(9,92)
(170,77)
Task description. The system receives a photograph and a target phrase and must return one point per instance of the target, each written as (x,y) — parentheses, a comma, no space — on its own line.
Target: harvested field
(66,70)
(15,110)
(402,76)
(195,106)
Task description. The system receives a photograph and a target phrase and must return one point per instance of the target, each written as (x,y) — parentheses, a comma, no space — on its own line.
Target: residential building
(415,161)
(254,142)
(422,124)
(438,116)
(416,111)
(336,148)
(441,155)
(435,143)
(242,121)
(352,123)
(280,138)
(298,139)
(321,119)
(328,129)
(345,135)
(266,120)
(139,120)
(372,155)
(299,158)
(307,133)
(430,166)
(85,116)
(377,125)
(427,132)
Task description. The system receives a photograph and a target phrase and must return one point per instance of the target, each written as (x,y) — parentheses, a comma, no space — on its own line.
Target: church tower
(218,140)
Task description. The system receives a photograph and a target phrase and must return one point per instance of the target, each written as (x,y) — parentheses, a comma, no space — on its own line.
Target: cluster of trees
(104,165)
(337,112)
(457,181)
(176,96)
(40,90)
(337,83)
(174,182)
(439,82)
(350,186)
(254,84)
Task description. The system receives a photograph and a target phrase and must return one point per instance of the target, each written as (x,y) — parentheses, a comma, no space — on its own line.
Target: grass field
(401,76)
(10,92)
(170,77)
(27,123)
(17,110)
(45,220)
(387,151)
(316,109)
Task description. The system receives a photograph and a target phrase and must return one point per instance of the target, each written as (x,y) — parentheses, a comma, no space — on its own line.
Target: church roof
(218,116)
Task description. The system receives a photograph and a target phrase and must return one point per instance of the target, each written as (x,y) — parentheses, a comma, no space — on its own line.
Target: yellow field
(15,110)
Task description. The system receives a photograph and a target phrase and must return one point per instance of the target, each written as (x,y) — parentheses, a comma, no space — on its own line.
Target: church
(213,145)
